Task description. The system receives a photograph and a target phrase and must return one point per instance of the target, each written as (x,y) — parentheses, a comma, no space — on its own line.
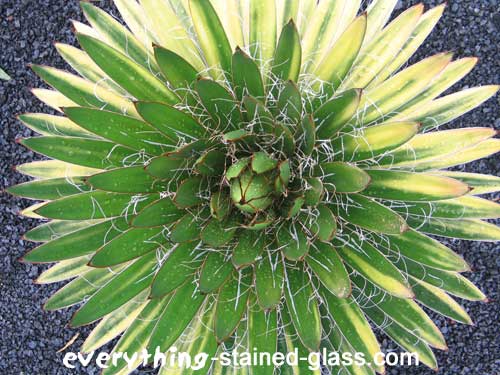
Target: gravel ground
(31,337)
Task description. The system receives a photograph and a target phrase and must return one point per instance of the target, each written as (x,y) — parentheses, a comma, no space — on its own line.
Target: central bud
(256,182)
(251,192)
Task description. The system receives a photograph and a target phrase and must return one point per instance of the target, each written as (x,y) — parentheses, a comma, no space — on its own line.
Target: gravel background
(31,337)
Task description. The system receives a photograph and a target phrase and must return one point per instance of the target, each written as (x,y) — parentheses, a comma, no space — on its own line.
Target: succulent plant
(257,174)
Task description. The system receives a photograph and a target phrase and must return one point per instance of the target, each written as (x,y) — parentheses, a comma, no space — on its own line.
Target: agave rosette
(257,174)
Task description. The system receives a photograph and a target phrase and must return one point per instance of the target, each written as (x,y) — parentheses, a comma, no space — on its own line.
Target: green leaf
(377,54)
(172,27)
(135,18)
(117,36)
(187,228)
(322,223)
(261,221)
(335,342)
(249,248)
(232,303)
(289,342)
(136,337)
(314,191)
(211,37)
(466,207)
(305,137)
(407,186)
(262,30)
(352,324)
(53,125)
(134,78)
(220,205)
(176,317)
(479,151)
(211,163)
(286,10)
(425,26)
(324,28)
(175,124)
(448,108)
(480,184)
(405,312)
(214,272)
(127,180)
(53,99)
(327,265)
(114,324)
(129,245)
(332,116)
(262,334)
(404,338)
(171,166)
(123,130)
(453,73)
(437,300)
(367,143)
(179,73)
(466,229)
(426,251)
(121,289)
(64,270)
(237,136)
(85,152)
(288,55)
(81,288)
(46,169)
(451,282)
(4,75)
(337,62)
(269,280)
(371,215)
(56,228)
(303,308)
(374,266)
(50,189)
(220,105)
(81,62)
(82,92)
(342,177)
(237,168)
(262,162)
(291,206)
(30,212)
(189,192)
(284,139)
(259,115)
(247,79)
(390,96)
(379,13)
(160,212)
(292,241)
(289,104)
(84,28)
(94,205)
(218,233)
(180,264)
(75,244)
(198,338)
(435,145)
(231,13)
